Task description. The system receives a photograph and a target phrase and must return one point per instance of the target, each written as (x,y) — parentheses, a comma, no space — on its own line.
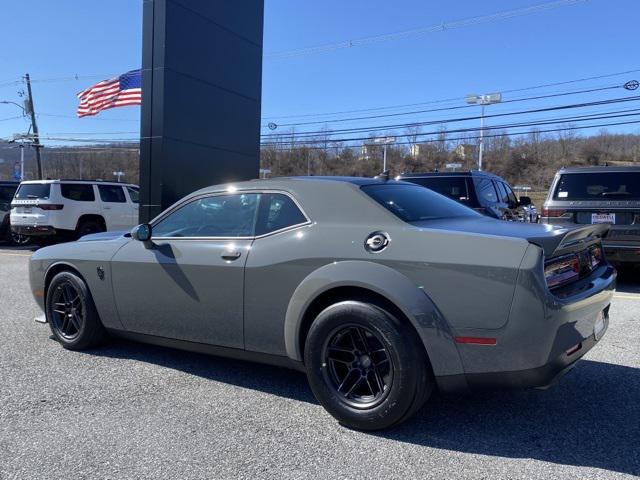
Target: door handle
(231,255)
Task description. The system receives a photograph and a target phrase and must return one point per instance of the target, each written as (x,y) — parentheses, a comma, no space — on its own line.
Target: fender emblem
(376,242)
(100,271)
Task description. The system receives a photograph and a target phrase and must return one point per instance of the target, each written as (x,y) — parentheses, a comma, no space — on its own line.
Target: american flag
(115,92)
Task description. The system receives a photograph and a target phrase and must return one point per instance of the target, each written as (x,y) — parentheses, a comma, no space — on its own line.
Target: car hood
(551,238)
(94,237)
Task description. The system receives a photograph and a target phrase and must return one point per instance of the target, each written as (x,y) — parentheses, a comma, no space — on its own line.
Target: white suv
(73,208)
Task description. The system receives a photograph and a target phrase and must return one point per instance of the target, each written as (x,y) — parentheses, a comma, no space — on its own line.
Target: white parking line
(627,297)
(8,254)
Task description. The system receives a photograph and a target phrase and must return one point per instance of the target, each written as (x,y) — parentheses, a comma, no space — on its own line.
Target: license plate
(603,218)
(27,210)
(600,326)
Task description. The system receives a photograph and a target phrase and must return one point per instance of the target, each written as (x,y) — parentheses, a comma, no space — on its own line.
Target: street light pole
(483,100)
(384,141)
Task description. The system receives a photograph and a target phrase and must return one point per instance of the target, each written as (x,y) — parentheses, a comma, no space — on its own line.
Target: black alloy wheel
(71,313)
(366,366)
(68,311)
(358,366)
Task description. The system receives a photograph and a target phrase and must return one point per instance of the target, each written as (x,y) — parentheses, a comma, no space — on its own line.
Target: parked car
(72,208)
(382,291)
(7,190)
(595,195)
(484,192)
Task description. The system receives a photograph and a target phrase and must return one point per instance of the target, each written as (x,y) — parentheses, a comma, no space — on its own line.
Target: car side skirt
(214,350)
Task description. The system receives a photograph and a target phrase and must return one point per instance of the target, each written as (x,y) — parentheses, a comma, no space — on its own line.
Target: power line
(444,109)
(504,134)
(459,119)
(579,118)
(329,47)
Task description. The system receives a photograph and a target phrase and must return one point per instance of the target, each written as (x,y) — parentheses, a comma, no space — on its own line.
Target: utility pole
(36,137)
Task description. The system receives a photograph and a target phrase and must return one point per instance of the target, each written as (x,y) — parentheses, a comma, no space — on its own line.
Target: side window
(485,191)
(512,199)
(80,192)
(134,194)
(277,211)
(111,194)
(215,216)
(502,192)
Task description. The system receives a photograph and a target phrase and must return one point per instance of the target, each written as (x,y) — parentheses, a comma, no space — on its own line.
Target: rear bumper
(539,377)
(34,230)
(545,336)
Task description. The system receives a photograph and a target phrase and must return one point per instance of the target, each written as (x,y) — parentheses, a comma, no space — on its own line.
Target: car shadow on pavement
(265,378)
(628,280)
(591,418)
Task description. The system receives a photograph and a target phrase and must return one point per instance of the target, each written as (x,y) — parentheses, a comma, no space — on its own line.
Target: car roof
(70,180)
(467,173)
(297,183)
(604,169)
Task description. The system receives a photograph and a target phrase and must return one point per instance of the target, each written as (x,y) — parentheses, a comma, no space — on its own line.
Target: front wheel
(367,368)
(72,314)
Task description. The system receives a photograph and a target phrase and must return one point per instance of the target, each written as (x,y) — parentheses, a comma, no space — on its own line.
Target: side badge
(376,242)
(100,271)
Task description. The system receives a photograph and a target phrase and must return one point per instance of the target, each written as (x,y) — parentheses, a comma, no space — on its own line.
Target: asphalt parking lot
(133,411)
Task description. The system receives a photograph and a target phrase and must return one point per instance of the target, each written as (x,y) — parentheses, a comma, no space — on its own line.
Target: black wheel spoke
(349,378)
(379,381)
(75,319)
(363,338)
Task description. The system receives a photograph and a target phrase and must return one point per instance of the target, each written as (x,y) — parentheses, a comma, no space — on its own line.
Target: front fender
(423,314)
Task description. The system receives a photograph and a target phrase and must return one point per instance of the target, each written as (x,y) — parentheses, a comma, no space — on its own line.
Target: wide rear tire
(367,368)
(71,313)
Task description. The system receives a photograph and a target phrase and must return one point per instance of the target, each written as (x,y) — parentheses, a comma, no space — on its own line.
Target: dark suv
(485,192)
(7,190)
(590,195)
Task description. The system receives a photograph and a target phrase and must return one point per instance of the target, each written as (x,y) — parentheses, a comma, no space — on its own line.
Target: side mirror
(142,232)
(524,201)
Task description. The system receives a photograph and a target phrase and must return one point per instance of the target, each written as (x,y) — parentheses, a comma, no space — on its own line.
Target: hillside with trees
(530,159)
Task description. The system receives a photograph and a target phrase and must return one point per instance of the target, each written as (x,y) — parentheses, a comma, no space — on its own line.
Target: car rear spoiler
(570,239)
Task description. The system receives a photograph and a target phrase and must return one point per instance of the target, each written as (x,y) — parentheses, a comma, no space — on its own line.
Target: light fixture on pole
(118,175)
(487,99)
(384,141)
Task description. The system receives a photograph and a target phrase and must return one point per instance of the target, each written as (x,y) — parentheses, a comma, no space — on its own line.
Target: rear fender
(425,317)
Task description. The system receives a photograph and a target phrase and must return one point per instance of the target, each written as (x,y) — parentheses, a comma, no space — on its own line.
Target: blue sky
(590,38)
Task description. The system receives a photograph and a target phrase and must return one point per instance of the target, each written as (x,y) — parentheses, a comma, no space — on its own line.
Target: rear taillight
(595,256)
(552,212)
(562,270)
(51,206)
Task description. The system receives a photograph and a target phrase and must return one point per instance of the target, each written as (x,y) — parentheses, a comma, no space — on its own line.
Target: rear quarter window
(414,203)
(79,192)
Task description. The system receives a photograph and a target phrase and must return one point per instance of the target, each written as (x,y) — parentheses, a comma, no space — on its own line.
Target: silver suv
(599,195)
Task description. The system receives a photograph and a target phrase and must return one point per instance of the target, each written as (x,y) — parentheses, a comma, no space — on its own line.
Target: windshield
(414,203)
(598,186)
(33,190)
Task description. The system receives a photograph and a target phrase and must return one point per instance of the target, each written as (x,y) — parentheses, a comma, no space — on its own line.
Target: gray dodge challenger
(381,291)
